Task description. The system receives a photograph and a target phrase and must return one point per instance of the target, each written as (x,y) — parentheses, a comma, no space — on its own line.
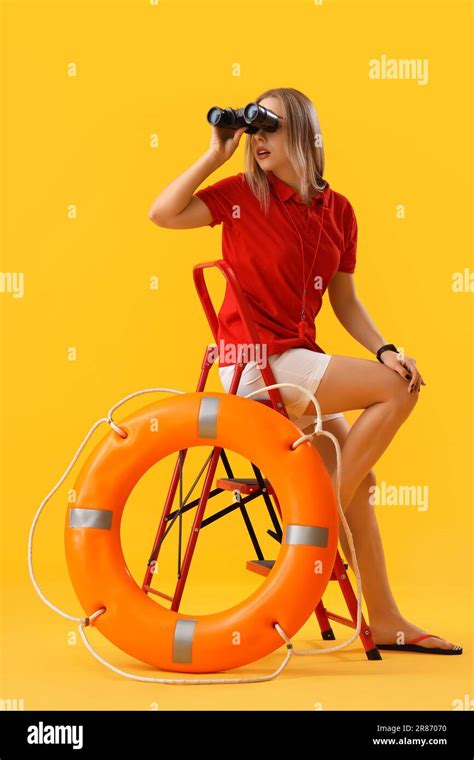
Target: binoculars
(254,115)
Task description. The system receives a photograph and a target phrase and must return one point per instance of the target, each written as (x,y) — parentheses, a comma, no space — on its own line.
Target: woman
(289,236)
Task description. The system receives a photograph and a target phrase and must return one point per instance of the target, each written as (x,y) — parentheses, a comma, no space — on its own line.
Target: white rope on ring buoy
(85,622)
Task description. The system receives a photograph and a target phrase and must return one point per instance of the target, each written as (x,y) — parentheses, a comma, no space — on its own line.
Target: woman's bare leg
(385,618)
(350,383)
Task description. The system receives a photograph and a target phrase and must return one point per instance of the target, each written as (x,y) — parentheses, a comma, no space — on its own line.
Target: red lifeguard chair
(245,490)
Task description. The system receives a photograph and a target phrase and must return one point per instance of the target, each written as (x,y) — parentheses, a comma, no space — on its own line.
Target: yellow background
(85,140)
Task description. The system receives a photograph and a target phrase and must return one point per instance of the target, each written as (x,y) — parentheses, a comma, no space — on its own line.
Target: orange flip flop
(411,646)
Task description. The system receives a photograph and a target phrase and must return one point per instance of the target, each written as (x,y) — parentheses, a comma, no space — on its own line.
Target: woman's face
(274,142)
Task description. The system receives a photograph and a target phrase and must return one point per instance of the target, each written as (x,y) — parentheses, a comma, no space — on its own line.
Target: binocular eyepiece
(254,115)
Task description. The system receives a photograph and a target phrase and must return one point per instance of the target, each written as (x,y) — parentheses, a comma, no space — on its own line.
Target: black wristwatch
(387,347)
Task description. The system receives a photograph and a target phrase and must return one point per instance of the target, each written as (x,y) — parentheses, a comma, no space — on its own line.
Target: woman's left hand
(406,368)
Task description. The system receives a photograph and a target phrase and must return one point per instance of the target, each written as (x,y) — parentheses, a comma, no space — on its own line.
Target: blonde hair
(304,147)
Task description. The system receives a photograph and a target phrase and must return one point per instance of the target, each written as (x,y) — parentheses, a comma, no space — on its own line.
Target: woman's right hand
(224,142)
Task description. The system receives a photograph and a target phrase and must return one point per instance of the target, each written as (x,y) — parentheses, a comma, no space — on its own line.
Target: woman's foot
(389,630)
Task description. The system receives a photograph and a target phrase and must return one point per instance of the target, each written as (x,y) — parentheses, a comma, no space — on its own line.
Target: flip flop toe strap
(455,648)
(420,638)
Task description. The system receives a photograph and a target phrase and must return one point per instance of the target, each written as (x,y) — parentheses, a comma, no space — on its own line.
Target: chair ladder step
(263,567)
(260,566)
(243,485)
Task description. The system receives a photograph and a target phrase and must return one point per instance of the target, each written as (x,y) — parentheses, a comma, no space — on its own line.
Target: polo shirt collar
(285,191)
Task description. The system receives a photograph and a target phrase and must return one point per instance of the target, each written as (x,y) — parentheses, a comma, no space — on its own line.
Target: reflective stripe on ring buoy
(139,625)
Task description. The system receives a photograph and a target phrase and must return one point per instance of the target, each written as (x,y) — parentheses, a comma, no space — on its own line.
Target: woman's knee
(401,396)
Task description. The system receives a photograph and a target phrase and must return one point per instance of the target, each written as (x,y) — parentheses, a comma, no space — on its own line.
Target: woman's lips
(263,155)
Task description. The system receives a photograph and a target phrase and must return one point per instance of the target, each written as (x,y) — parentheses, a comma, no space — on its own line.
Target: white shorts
(296,365)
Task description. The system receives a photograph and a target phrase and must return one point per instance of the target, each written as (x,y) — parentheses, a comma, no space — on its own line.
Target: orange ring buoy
(139,625)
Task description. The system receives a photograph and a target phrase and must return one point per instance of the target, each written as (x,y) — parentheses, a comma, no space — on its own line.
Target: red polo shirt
(267,256)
